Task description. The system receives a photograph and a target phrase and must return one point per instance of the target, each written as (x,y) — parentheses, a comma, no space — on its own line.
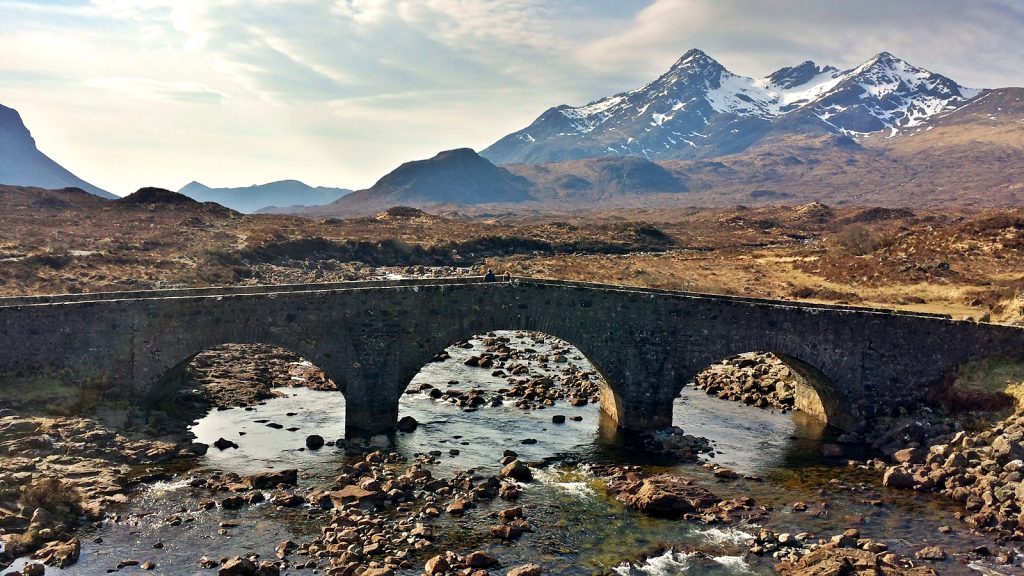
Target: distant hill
(284,193)
(22,164)
(455,177)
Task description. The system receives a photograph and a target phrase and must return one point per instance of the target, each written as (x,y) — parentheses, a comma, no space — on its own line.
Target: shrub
(61,500)
(858,240)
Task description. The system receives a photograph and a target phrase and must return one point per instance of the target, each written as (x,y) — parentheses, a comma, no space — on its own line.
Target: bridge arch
(180,350)
(414,358)
(812,391)
(819,393)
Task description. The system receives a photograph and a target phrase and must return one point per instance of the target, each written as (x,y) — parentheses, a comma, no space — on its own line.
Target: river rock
(267,568)
(353,493)
(526,570)
(669,496)
(33,569)
(272,479)
(223,444)
(407,424)
(481,559)
(898,477)
(237,566)
(517,471)
(59,554)
(436,565)
(314,441)
(931,553)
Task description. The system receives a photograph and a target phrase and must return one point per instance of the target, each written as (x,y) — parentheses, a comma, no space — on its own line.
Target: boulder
(897,477)
(353,493)
(436,565)
(669,496)
(407,424)
(517,471)
(314,441)
(481,559)
(272,479)
(237,566)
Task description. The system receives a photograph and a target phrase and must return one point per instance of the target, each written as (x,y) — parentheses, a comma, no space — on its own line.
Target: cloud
(754,38)
(336,91)
(146,88)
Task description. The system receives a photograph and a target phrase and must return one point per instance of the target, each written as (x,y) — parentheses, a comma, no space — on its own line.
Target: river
(578,528)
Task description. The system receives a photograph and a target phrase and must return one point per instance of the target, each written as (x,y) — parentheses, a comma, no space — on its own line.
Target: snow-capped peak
(694,57)
(700,105)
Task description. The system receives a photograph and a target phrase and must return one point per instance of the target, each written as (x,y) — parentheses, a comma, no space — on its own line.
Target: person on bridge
(489,277)
(507,277)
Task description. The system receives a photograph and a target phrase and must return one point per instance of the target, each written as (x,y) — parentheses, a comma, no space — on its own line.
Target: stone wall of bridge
(373,338)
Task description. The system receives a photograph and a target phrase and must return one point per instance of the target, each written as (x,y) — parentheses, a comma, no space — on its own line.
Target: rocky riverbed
(502,467)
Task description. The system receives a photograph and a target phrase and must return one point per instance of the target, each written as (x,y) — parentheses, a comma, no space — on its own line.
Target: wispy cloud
(338,91)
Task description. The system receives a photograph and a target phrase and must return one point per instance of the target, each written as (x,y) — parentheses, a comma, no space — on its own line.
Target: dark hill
(22,164)
(455,177)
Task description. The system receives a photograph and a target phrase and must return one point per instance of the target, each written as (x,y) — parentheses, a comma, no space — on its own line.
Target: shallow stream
(578,528)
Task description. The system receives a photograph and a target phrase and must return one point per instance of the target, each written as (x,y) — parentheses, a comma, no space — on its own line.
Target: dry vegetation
(962,263)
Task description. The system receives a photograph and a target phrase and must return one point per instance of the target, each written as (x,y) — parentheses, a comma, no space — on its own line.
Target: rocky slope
(22,164)
(698,109)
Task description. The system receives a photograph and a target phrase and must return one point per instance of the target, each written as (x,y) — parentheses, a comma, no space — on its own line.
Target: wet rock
(436,565)
(237,566)
(669,496)
(481,559)
(287,500)
(222,444)
(33,569)
(517,471)
(896,477)
(232,503)
(525,570)
(285,548)
(272,479)
(59,554)
(558,419)
(314,441)
(353,493)
(147,565)
(931,553)
(407,424)
(267,568)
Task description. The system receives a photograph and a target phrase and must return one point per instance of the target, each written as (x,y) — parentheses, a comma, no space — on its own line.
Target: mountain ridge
(699,109)
(23,164)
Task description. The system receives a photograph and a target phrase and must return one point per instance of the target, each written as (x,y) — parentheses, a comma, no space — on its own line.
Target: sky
(132,93)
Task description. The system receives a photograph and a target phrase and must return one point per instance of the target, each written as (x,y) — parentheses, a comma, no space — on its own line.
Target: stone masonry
(372,337)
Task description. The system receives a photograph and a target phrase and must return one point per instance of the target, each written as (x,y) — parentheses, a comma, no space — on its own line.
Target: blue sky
(128,93)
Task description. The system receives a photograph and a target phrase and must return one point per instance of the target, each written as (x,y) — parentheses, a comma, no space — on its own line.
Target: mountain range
(22,164)
(248,199)
(885,133)
(698,109)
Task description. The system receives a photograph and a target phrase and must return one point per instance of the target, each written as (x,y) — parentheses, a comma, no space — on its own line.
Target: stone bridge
(373,337)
